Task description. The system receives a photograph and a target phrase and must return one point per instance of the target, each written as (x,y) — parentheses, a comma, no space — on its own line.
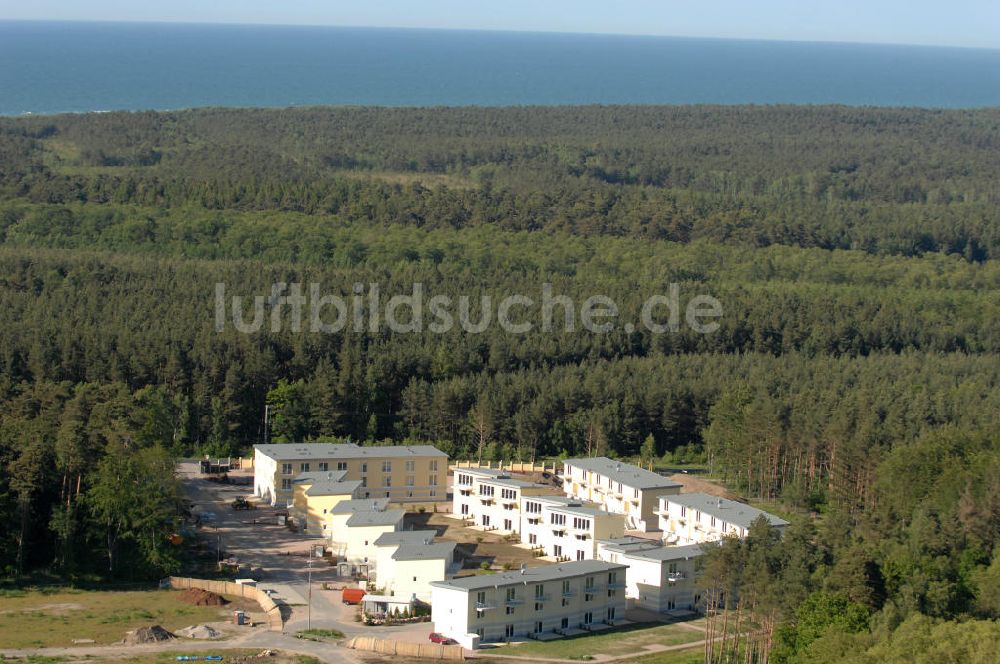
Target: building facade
(407,561)
(659,578)
(692,518)
(397,472)
(315,494)
(491,499)
(566,528)
(619,488)
(539,602)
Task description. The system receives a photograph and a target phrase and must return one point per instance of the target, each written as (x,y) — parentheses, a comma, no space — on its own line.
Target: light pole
(309,601)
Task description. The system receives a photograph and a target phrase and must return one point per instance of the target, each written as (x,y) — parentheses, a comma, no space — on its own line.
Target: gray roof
(424,551)
(729,511)
(291,451)
(646,549)
(554,572)
(510,482)
(329,488)
(360,505)
(483,472)
(319,475)
(386,518)
(626,473)
(406,537)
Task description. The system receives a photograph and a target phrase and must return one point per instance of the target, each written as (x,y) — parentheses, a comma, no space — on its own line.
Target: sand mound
(200,597)
(148,635)
(199,632)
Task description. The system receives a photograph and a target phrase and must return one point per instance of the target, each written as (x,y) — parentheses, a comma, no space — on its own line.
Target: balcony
(559,532)
(674,577)
(486,500)
(542,598)
(616,585)
(484,606)
(591,590)
(513,601)
(465,492)
(569,593)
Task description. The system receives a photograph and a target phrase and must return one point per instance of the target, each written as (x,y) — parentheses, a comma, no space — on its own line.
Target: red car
(441,638)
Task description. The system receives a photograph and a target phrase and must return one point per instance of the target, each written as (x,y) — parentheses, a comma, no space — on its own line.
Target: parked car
(352,595)
(242,503)
(435,637)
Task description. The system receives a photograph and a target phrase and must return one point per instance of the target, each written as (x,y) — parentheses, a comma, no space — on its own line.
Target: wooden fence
(406,649)
(271,610)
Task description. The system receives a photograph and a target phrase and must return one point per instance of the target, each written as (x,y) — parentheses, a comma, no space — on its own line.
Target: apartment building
(619,488)
(567,528)
(659,578)
(692,518)
(315,494)
(539,602)
(406,562)
(398,472)
(491,499)
(355,542)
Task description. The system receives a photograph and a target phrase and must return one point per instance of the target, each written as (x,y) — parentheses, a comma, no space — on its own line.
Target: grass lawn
(37,619)
(630,639)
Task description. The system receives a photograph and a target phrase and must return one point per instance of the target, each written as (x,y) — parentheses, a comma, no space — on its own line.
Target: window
(510,610)
(387,480)
(557,550)
(581,524)
(564,623)
(539,590)
(580,555)
(465,479)
(433,493)
(324,466)
(341,465)
(481,597)
(509,631)
(410,480)
(387,466)
(611,612)
(364,468)
(558,519)
(465,509)
(683,511)
(508,494)
(712,521)
(507,525)
(286,484)
(532,538)
(304,467)
(538,627)
(486,519)
(410,465)
(612,577)
(434,464)
(697,516)
(533,508)
(364,481)
(286,469)
(486,490)
(588,617)
(432,480)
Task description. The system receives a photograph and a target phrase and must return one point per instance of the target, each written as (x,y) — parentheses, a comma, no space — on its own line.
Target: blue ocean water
(57,67)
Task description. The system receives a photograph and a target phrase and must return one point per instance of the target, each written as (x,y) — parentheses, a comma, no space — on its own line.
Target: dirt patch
(694,484)
(199,597)
(152,634)
(199,632)
(57,608)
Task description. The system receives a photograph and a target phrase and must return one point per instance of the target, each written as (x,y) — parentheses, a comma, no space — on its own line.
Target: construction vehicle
(241,503)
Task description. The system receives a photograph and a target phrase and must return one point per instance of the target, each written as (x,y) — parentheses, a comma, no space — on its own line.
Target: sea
(56,67)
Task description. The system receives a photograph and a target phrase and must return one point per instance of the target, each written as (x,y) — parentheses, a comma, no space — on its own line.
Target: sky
(969,23)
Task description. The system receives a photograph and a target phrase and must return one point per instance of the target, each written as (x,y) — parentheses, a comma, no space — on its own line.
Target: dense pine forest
(853,383)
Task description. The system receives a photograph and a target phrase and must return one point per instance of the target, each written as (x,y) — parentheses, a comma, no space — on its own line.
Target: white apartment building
(491,499)
(659,578)
(398,472)
(540,602)
(619,488)
(406,562)
(692,518)
(566,528)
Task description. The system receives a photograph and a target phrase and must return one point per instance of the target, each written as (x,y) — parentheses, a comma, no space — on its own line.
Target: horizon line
(497,30)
